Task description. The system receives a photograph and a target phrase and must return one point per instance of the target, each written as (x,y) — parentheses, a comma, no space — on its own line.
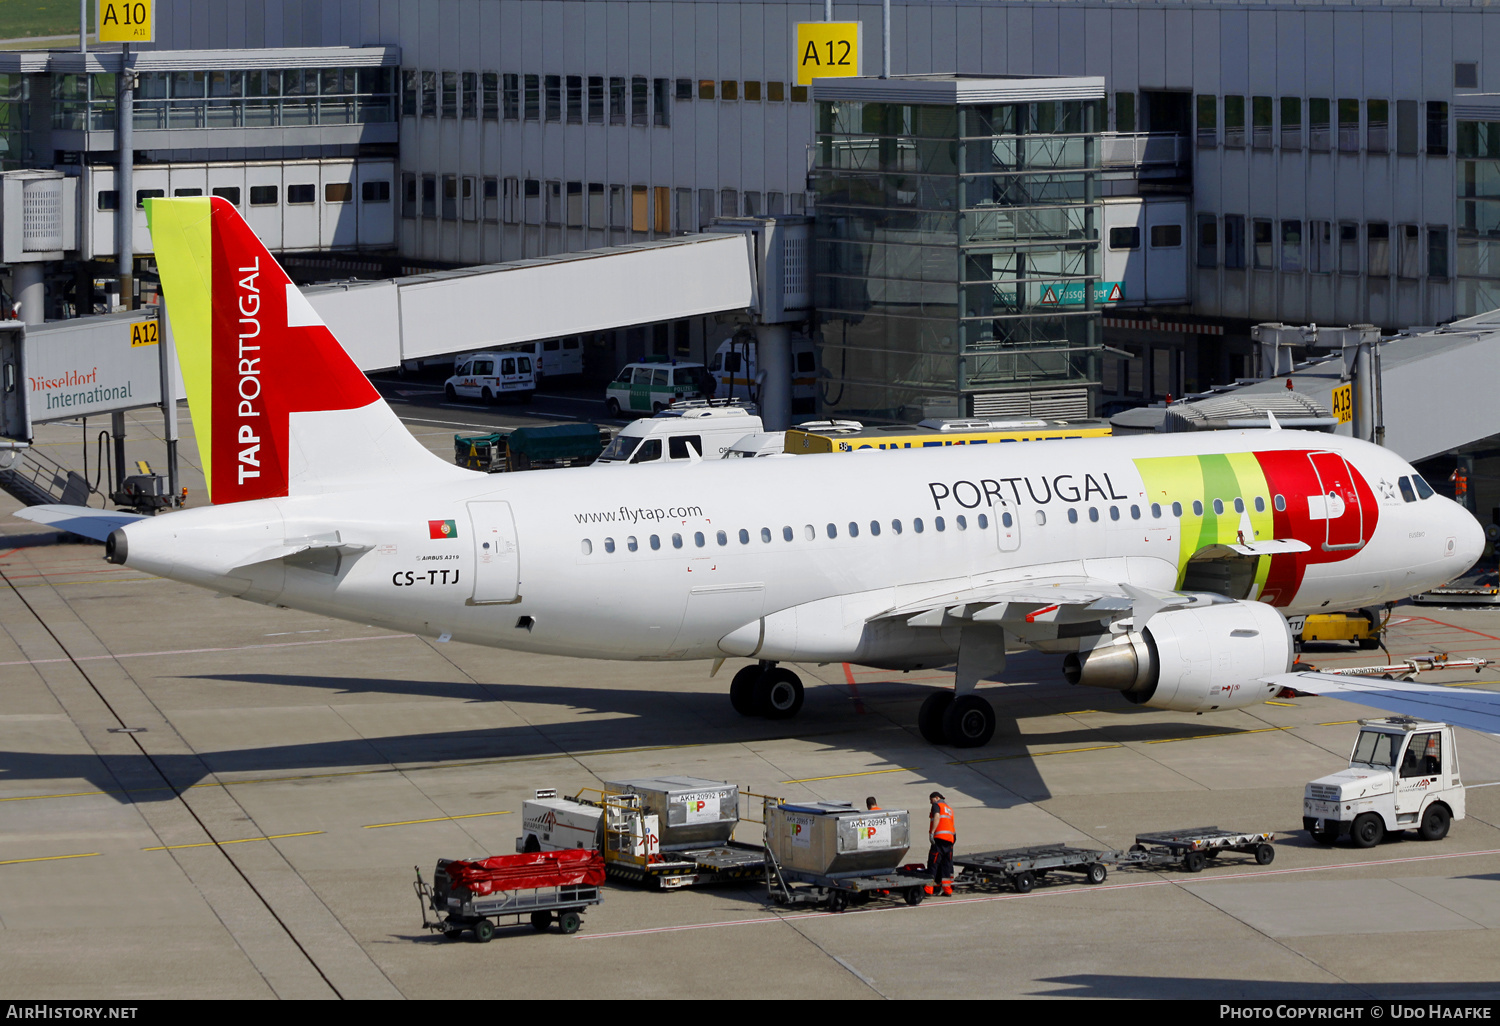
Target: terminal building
(1047,208)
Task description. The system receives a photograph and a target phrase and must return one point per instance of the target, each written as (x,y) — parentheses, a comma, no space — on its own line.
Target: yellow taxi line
(241,840)
(436,819)
(861,773)
(1032,755)
(49,858)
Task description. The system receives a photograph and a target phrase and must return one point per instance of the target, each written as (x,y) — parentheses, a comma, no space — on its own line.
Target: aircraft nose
(1468,536)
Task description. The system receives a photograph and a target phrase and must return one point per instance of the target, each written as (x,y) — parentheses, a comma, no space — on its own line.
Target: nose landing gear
(766,689)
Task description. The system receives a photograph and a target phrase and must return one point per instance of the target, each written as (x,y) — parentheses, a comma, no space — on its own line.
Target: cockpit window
(1424,490)
(1376,748)
(1407,492)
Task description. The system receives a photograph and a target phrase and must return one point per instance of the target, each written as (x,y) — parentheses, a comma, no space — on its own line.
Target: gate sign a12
(827,49)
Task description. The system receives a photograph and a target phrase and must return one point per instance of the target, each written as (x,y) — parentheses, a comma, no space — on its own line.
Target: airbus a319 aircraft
(1162,567)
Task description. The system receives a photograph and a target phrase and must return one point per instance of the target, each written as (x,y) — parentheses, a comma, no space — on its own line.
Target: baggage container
(834,839)
(692,812)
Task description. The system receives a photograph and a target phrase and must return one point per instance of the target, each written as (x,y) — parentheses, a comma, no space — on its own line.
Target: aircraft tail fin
(278,406)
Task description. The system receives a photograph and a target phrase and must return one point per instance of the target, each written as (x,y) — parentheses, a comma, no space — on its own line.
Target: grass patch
(21,19)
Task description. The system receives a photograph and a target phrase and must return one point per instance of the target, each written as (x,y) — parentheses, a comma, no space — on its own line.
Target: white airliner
(1162,567)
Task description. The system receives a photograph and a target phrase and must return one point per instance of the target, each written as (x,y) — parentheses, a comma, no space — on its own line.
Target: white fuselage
(664,562)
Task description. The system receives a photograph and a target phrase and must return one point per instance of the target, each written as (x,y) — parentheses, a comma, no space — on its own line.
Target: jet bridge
(382,323)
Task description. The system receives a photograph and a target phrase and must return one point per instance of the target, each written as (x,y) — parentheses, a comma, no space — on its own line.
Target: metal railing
(1143,149)
(35,478)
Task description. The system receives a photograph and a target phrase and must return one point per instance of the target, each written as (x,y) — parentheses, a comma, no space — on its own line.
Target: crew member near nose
(940,857)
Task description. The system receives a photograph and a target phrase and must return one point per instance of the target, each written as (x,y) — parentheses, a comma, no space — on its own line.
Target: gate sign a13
(827,49)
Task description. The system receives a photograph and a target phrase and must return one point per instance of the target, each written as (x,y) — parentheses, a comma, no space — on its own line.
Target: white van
(688,432)
(553,357)
(734,368)
(492,377)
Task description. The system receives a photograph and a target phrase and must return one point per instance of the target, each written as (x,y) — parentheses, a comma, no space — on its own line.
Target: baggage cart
(1191,849)
(544,886)
(1023,868)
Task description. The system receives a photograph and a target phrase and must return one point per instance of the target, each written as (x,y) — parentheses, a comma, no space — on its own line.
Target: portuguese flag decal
(442,529)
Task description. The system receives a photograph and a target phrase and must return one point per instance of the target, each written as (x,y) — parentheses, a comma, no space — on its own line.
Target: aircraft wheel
(613,406)
(930,717)
(778,694)
(1368,830)
(742,690)
(969,722)
(1434,823)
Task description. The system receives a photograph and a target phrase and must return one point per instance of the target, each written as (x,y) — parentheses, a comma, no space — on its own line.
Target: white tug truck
(1402,775)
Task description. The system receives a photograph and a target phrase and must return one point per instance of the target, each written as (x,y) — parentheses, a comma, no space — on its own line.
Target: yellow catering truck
(851,435)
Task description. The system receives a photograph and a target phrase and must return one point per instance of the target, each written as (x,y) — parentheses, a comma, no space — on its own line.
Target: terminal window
(1319,133)
(617,101)
(1260,122)
(1348,126)
(776,91)
(1263,247)
(1291,245)
(799,94)
(1208,240)
(596,205)
(729,90)
(1437,128)
(1234,121)
(1291,122)
(639,109)
(1465,75)
(492,199)
(1125,238)
(533,98)
(752,91)
(554,97)
(429,195)
(450,197)
(1437,253)
(1409,251)
(370,192)
(1208,120)
(141,195)
(429,94)
(410,88)
(263,195)
(1166,236)
(660,96)
(186,192)
(684,90)
(1377,125)
(1348,247)
(575,204)
(596,99)
(408,195)
(491,85)
(1320,247)
(1234,241)
(512,96)
(471,95)
(705,89)
(1378,249)
(232,193)
(1406,127)
(575,99)
(301,193)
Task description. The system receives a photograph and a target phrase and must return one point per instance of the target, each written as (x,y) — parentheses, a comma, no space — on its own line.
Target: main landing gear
(962,721)
(766,689)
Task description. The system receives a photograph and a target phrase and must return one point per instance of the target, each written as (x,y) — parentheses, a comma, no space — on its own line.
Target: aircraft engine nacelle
(1192,660)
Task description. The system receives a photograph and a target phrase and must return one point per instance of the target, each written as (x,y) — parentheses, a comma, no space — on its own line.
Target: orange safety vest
(874,808)
(943,829)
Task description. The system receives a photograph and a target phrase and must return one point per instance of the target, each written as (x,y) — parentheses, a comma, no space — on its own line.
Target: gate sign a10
(827,49)
(127,21)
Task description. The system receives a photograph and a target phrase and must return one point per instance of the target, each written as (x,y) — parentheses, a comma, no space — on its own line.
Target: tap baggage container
(550,822)
(692,812)
(833,839)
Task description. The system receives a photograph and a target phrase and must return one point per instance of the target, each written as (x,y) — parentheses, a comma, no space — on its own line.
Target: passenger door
(1338,504)
(1007,525)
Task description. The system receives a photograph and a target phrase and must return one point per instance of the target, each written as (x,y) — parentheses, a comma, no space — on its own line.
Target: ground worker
(1460,479)
(940,857)
(870,805)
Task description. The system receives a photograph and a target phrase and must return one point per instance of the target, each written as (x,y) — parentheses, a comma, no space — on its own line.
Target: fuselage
(665,562)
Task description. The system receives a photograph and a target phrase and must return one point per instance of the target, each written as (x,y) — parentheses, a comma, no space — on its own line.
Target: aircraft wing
(1039,610)
(1477,710)
(84,521)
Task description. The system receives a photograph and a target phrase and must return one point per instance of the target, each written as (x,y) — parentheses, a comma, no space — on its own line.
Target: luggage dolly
(1192,848)
(1023,868)
(839,892)
(564,903)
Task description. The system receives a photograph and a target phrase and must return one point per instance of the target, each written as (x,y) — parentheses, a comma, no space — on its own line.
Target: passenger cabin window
(939,524)
(1072,515)
(588,547)
(1239,505)
(833,531)
(1156,511)
(1260,504)
(896,526)
(1280,503)
(984,521)
(916,525)
(1041,519)
(1177,509)
(609,545)
(786,533)
(1408,493)
(1218,507)
(1197,508)
(677,541)
(874,526)
(853,530)
(655,541)
(765,535)
(1093,514)
(630,543)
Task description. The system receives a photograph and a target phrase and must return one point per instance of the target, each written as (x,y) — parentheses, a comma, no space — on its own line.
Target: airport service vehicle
(553,357)
(756,446)
(684,432)
(1162,567)
(492,377)
(1363,628)
(1402,775)
(470,895)
(530,448)
(668,832)
(735,368)
(852,436)
(652,385)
